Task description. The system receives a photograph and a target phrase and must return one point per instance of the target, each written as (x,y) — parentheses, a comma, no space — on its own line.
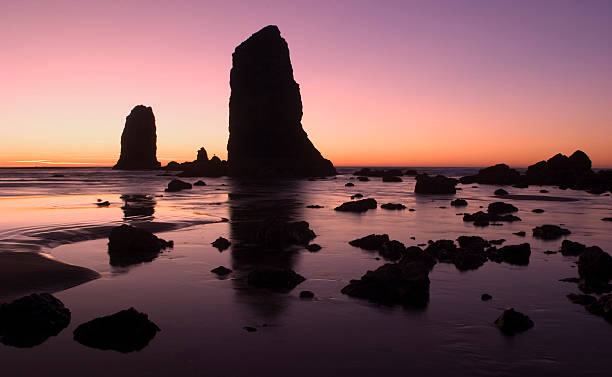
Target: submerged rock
(30,320)
(279,279)
(278,233)
(439,184)
(177,185)
(512,322)
(139,141)
(124,331)
(459,203)
(266,137)
(370,242)
(393,206)
(550,232)
(221,243)
(129,245)
(357,196)
(393,283)
(221,271)
(105,203)
(357,206)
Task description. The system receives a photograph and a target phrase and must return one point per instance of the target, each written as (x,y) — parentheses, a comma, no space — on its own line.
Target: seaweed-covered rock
(277,279)
(124,331)
(393,283)
(550,232)
(129,245)
(30,320)
(439,184)
(370,242)
(357,206)
(512,322)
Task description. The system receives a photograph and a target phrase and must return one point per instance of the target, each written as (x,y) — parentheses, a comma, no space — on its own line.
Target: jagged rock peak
(139,141)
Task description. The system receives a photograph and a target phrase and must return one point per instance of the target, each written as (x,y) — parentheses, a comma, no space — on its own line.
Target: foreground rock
(30,320)
(550,232)
(124,331)
(393,283)
(128,245)
(265,112)
(176,185)
(512,322)
(595,270)
(139,141)
(278,233)
(357,206)
(276,279)
(439,184)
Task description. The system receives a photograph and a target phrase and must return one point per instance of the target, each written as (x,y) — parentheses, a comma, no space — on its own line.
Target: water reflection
(138,206)
(250,203)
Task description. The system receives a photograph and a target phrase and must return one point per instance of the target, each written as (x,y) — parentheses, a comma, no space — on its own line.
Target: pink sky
(383,83)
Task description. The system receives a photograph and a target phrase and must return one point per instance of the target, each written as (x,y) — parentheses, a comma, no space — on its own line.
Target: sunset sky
(423,83)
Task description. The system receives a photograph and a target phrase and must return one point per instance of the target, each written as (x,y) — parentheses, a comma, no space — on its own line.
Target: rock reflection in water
(139,206)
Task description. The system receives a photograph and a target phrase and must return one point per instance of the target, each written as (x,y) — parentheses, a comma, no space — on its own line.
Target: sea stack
(139,141)
(266,137)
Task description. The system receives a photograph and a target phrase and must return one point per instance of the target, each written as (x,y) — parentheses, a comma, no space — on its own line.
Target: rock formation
(265,112)
(139,141)
(200,167)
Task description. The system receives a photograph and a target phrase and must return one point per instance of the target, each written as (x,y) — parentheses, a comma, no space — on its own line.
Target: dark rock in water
(313,247)
(349,184)
(603,307)
(512,322)
(139,141)
(500,174)
(393,283)
(278,279)
(392,250)
(393,206)
(201,166)
(561,170)
(571,248)
(520,234)
(105,203)
(367,172)
(57,175)
(30,320)
(202,155)
(129,245)
(521,185)
(442,250)
(497,242)
(607,219)
(416,254)
(314,206)
(549,252)
(544,191)
(515,254)
(363,179)
(221,271)
(124,331)
(500,192)
(265,112)
(484,218)
(199,183)
(459,203)
(498,208)
(306,295)
(550,232)
(467,259)
(595,270)
(370,242)
(581,299)
(434,185)
(177,185)
(357,206)
(221,243)
(357,196)
(278,233)
(249,329)
(391,178)
(475,243)
(486,297)
(537,210)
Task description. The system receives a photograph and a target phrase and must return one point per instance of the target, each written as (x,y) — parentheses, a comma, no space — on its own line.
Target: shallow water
(202,317)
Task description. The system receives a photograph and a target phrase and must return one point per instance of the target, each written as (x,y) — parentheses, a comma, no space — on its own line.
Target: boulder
(276,279)
(221,243)
(370,242)
(177,185)
(500,192)
(475,243)
(550,232)
(349,184)
(439,184)
(393,283)
(30,320)
(581,299)
(199,183)
(306,295)
(129,245)
(357,206)
(512,322)
(278,233)
(570,248)
(515,254)
(459,203)
(221,271)
(442,250)
(392,250)
(125,331)
(499,208)
(603,307)
(266,137)
(393,206)
(595,270)
(139,141)
(363,179)
(486,297)
(416,254)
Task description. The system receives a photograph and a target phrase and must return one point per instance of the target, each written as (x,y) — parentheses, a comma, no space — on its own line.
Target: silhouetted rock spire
(266,134)
(139,141)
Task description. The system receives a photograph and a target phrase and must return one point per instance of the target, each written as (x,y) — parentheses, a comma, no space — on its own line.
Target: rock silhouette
(265,112)
(139,141)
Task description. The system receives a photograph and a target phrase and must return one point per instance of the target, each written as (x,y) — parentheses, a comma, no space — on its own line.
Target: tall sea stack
(266,137)
(139,141)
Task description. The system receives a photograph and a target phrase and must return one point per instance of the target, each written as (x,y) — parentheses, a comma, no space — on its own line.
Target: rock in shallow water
(221,271)
(439,184)
(124,331)
(512,322)
(277,279)
(459,203)
(30,320)
(129,245)
(550,232)
(595,270)
(370,242)
(278,233)
(176,185)
(357,206)
(221,243)
(393,206)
